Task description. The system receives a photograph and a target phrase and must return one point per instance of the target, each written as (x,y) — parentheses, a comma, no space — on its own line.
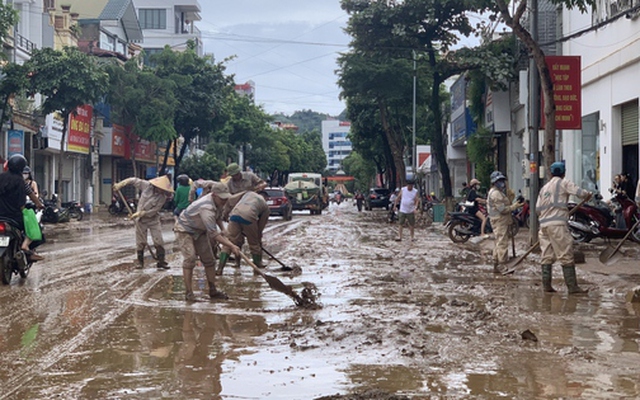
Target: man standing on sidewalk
(500,208)
(409,200)
(556,242)
(195,229)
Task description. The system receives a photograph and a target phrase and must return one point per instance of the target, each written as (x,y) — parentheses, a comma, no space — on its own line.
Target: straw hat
(162,182)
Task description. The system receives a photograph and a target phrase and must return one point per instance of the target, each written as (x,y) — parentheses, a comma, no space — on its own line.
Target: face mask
(502,185)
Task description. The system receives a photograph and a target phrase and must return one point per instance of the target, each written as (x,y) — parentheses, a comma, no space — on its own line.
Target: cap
(233,169)
(162,182)
(221,190)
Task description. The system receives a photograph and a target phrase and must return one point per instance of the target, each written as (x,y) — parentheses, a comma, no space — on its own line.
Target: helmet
(496,176)
(410,181)
(183,179)
(557,168)
(16,163)
(26,170)
(474,182)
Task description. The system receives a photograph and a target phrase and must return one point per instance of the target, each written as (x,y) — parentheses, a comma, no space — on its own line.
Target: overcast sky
(288,76)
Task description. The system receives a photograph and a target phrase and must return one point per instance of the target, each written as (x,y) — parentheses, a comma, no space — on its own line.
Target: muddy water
(423,319)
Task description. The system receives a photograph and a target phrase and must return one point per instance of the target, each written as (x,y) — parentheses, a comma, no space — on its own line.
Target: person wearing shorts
(408,199)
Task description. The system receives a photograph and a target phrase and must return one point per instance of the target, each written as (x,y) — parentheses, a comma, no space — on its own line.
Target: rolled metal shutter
(629,114)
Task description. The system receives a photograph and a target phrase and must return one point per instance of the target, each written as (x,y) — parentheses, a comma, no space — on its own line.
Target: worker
(247,217)
(500,209)
(556,242)
(153,196)
(243,181)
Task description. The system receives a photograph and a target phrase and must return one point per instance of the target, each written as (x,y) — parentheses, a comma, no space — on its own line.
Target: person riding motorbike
(13,197)
(477,200)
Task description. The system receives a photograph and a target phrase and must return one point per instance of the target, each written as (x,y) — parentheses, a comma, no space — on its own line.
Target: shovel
(275,283)
(124,200)
(284,267)
(511,265)
(610,251)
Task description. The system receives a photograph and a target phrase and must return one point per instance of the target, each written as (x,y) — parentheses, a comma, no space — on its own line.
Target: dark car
(278,203)
(377,198)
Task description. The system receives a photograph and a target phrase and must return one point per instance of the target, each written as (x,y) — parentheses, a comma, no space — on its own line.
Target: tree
(361,169)
(143,101)
(514,21)
(11,75)
(66,79)
(201,89)
(431,28)
(8,18)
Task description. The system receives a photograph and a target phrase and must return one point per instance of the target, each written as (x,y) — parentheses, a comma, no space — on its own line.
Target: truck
(307,191)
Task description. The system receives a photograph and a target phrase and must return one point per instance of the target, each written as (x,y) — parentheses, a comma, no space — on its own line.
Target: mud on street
(419,320)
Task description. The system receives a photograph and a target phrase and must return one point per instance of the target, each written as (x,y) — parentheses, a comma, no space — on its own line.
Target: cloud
(288,48)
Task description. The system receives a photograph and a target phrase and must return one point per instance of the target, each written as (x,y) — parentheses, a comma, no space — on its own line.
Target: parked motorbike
(462,225)
(118,207)
(76,211)
(52,213)
(599,220)
(12,259)
(522,215)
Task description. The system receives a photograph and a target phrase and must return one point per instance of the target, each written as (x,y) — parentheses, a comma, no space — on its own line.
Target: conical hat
(162,182)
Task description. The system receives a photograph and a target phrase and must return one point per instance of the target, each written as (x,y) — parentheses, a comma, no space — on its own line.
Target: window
(50,4)
(152,18)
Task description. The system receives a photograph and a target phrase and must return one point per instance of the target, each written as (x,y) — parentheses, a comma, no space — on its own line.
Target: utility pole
(534,125)
(413,122)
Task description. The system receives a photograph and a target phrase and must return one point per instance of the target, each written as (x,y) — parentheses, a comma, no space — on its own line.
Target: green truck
(307,191)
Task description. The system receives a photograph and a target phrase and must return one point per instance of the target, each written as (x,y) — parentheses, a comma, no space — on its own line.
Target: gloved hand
(516,206)
(118,186)
(138,214)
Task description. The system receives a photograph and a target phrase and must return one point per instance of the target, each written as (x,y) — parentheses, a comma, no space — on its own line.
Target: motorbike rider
(359,200)
(248,214)
(556,242)
(500,209)
(13,197)
(26,174)
(153,196)
(476,199)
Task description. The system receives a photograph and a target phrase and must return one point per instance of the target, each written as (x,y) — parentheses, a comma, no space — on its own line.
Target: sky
(288,48)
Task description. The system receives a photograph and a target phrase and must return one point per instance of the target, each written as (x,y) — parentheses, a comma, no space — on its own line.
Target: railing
(24,43)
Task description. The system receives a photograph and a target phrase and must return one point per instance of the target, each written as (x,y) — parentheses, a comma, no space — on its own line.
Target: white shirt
(408,200)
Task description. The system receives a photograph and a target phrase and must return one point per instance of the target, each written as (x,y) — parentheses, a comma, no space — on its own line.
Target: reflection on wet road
(418,319)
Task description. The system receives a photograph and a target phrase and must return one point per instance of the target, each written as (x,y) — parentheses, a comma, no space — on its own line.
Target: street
(423,319)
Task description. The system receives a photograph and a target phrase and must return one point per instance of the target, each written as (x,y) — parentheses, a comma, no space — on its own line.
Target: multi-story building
(169,22)
(335,142)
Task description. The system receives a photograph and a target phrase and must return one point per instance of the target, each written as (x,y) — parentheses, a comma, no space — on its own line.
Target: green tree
(8,18)
(201,89)
(143,101)
(206,167)
(66,79)
(361,169)
(11,76)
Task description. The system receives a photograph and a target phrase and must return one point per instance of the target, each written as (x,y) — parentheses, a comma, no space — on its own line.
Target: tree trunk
(396,145)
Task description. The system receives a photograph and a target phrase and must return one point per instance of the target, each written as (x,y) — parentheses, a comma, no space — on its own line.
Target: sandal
(32,255)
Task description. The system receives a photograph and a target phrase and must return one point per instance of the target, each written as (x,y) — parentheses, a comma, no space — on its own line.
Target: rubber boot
(546,278)
(570,279)
(257,260)
(162,264)
(497,267)
(187,275)
(140,260)
(211,280)
(222,262)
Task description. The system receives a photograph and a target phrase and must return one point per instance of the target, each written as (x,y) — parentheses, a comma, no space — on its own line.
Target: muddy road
(424,319)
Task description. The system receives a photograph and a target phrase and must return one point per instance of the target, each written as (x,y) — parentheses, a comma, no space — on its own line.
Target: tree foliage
(8,18)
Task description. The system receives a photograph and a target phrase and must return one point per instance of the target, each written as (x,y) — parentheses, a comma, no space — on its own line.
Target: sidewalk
(101,219)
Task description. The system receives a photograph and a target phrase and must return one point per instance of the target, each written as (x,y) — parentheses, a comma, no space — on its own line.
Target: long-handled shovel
(511,265)
(275,283)
(610,251)
(126,204)
(284,267)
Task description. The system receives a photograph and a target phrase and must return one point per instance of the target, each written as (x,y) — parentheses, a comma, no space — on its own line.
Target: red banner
(567,90)
(79,139)
(119,140)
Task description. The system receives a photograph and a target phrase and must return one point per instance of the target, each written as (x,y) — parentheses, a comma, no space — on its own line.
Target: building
(247,89)
(169,23)
(335,142)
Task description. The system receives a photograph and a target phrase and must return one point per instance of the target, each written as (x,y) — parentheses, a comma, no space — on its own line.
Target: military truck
(307,191)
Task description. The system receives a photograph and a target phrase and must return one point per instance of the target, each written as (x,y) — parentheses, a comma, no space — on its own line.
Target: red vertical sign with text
(567,90)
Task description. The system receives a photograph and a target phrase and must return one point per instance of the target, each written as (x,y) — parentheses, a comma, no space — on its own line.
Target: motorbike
(118,207)
(52,213)
(463,225)
(13,259)
(522,215)
(599,220)
(76,211)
